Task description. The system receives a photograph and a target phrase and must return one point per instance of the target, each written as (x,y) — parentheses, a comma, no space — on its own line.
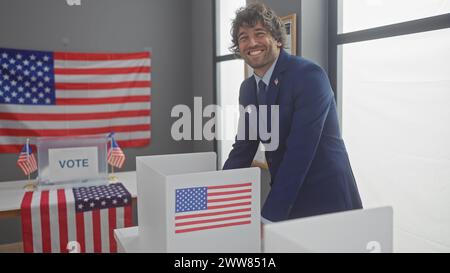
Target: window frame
(217,58)
(336,39)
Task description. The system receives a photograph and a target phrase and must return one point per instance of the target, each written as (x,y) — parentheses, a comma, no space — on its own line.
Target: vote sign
(73,163)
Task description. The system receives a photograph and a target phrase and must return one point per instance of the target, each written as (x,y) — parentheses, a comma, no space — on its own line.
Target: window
(229,75)
(364,14)
(393,81)
(225,11)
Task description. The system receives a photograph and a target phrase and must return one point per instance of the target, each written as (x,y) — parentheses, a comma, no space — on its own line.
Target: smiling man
(258,48)
(310,170)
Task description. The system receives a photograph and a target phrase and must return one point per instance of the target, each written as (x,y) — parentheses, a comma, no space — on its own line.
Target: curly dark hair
(251,15)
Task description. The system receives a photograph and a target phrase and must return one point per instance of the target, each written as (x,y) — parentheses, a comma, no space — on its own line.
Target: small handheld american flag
(116,157)
(27,160)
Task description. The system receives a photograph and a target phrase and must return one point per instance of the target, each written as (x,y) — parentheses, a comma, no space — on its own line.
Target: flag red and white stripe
(115,155)
(50,222)
(95,93)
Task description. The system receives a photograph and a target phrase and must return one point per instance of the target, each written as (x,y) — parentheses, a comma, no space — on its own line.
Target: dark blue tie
(262,93)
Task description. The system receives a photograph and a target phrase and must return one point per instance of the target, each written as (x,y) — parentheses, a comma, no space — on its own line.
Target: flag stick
(28,155)
(112,178)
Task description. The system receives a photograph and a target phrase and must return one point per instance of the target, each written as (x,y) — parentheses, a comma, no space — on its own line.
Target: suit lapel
(275,79)
(274,85)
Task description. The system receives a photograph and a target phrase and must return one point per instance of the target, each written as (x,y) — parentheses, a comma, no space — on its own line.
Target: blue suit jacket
(310,170)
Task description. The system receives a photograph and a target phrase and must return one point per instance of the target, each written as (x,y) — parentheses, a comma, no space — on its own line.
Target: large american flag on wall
(212,207)
(67,94)
(87,215)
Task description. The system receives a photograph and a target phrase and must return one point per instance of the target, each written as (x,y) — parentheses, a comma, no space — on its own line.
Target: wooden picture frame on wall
(290,24)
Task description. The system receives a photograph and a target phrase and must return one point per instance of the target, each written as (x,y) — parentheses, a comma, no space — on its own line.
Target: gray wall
(178,31)
(314,31)
(112,25)
(202,62)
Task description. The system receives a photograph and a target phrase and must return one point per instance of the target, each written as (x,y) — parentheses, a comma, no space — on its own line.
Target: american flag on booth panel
(27,161)
(87,215)
(212,207)
(46,93)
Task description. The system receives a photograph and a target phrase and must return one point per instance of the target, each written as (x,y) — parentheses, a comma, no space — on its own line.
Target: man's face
(257,47)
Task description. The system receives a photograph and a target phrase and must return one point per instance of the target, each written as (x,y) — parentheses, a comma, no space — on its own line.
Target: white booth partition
(355,231)
(186,205)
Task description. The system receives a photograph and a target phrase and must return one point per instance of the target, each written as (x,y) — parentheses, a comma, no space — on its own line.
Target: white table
(128,241)
(11,193)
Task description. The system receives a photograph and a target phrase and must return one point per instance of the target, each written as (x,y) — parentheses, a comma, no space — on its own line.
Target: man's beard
(266,60)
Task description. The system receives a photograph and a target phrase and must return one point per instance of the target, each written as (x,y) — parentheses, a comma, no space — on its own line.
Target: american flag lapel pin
(276,81)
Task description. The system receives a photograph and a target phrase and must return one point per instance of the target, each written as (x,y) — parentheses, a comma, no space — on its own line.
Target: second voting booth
(186,205)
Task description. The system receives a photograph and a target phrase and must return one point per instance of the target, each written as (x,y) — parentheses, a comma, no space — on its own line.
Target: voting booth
(355,231)
(72,161)
(186,205)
